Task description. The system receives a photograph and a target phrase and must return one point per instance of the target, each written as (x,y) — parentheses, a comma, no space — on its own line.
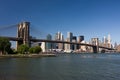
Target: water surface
(62,67)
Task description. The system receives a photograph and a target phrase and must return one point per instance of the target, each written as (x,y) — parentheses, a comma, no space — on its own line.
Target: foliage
(12,51)
(31,50)
(23,49)
(4,45)
(35,49)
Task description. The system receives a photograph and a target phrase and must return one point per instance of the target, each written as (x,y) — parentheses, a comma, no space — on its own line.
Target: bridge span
(23,37)
(54,41)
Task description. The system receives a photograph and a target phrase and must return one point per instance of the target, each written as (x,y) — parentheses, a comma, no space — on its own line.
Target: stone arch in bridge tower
(24,33)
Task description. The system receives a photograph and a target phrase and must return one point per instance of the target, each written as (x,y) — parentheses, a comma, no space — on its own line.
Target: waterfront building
(43,46)
(74,46)
(105,40)
(80,39)
(109,41)
(83,48)
(67,46)
(48,45)
(115,45)
(70,37)
(61,45)
(56,44)
(36,44)
(59,37)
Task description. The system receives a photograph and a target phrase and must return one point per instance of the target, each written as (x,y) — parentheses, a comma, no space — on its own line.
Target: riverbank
(27,55)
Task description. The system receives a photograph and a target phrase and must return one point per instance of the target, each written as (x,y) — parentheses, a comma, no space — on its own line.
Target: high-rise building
(115,45)
(74,46)
(80,38)
(105,40)
(70,37)
(48,44)
(59,37)
(109,41)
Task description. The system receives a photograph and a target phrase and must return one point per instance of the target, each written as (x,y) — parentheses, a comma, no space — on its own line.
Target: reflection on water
(62,67)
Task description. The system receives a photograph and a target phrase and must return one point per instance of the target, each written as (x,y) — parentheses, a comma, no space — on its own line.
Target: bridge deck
(54,41)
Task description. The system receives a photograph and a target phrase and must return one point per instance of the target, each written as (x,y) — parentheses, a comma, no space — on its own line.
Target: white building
(83,48)
(43,46)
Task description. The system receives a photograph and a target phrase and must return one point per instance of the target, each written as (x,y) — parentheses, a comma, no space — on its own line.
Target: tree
(23,49)
(31,50)
(4,45)
(35,49)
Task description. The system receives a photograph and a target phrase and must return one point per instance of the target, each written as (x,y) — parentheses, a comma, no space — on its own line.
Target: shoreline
(27,55)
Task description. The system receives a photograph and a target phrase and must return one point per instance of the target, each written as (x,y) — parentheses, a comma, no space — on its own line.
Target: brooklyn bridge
(24,37)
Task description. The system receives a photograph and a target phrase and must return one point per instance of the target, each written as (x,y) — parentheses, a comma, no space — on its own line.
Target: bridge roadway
(54,41)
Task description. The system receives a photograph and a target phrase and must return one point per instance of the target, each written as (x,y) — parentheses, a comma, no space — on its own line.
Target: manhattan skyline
(91,18)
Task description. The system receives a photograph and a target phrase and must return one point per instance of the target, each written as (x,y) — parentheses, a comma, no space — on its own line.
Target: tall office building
(109,41)
(74,46)
(70,37)
(59,37)
(48,44)
(105,40)
(80,38)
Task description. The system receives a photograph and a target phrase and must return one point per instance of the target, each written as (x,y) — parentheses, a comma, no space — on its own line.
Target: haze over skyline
(91,18)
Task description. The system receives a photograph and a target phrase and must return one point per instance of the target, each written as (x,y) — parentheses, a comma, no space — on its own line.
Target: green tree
(31,50)
(35,49)
(4,45)
(23,49)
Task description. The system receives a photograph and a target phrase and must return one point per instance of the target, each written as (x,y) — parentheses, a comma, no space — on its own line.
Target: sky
(91,18)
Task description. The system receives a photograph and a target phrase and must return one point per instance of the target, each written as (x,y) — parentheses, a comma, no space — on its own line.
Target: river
(63,67)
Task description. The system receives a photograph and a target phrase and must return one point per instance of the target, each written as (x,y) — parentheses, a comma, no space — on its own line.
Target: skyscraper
(80,38)
(49,45)
(109,41)
(74,46)
(59,37)
(70,37)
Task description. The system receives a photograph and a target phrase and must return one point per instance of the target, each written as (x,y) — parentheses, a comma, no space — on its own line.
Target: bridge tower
(24,33)
(95,42)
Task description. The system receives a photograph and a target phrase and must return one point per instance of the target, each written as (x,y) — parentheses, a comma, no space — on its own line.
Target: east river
(63,67)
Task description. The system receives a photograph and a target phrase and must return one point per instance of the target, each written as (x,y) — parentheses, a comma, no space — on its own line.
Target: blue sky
(91,18)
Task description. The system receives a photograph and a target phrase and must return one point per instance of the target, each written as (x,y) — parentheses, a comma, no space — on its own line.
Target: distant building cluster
(64,47)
